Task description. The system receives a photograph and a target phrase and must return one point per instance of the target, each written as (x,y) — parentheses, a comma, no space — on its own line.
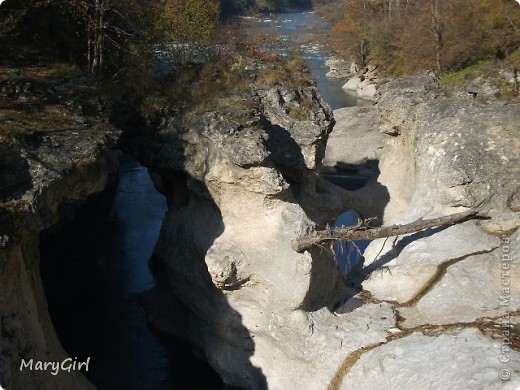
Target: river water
(298,30)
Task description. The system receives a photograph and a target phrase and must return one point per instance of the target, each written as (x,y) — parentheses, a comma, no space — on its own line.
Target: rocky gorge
(242,180)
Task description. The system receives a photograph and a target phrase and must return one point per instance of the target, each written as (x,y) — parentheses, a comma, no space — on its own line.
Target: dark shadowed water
(349,254)
(94,270)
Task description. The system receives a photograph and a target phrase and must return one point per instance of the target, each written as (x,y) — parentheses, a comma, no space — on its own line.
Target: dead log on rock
(363,232)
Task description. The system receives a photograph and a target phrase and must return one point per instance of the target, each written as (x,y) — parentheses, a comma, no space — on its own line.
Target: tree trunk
(515,85)
(363,232)
(89,46)
(97,39)
(438,31)
(101,33)
(363,51)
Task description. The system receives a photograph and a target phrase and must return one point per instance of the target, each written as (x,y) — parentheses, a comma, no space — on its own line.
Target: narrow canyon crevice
(96,274)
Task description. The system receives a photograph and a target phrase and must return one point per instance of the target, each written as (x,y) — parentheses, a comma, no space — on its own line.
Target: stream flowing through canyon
(298,30)
(97,265)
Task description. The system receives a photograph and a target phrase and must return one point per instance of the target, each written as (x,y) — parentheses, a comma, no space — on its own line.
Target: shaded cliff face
(53,149)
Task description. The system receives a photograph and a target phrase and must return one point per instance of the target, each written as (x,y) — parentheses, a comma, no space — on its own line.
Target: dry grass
(37,99)
(205,87)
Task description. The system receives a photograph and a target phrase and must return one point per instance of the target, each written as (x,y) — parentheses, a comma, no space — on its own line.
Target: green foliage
(485,72)
(513,60)
(461,76)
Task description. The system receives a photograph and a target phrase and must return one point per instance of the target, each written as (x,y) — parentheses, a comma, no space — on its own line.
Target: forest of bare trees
(406,36)
(96,34)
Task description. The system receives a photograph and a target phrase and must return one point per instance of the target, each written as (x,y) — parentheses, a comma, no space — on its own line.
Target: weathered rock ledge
(243,180)
(53,149)
(242,183)
(364,83)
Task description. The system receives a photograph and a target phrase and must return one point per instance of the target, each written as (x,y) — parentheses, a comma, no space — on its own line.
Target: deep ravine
(94,270)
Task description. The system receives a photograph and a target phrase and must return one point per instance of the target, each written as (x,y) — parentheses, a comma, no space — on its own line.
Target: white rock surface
(352,84)
(367,91)
(364,85)
(465,360)
(364,88)
(411,262)
(445,153)
(304,350)
(340,69)
(355,137)
(471,289)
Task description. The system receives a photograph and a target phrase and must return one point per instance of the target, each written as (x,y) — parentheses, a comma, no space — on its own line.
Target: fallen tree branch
(364,232)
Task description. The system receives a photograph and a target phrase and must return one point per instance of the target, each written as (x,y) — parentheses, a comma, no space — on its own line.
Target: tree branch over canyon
(363,232)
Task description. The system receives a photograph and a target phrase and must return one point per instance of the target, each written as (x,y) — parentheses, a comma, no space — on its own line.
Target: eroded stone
(458,360)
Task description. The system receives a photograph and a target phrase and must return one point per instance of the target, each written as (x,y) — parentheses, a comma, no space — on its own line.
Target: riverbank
(299,33)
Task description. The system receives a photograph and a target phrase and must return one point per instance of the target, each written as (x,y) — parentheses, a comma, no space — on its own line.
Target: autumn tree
(406,36)
(190,27)
(359,19)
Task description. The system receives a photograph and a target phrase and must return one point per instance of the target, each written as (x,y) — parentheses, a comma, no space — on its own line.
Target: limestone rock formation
(243,180)
(458,286)
(355,138)
(456,360)
(449,153)
(241,184)
(364,84)
(340,69)
(261,314)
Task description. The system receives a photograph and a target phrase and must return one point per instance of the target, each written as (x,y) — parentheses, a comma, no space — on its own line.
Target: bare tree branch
(363,232)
